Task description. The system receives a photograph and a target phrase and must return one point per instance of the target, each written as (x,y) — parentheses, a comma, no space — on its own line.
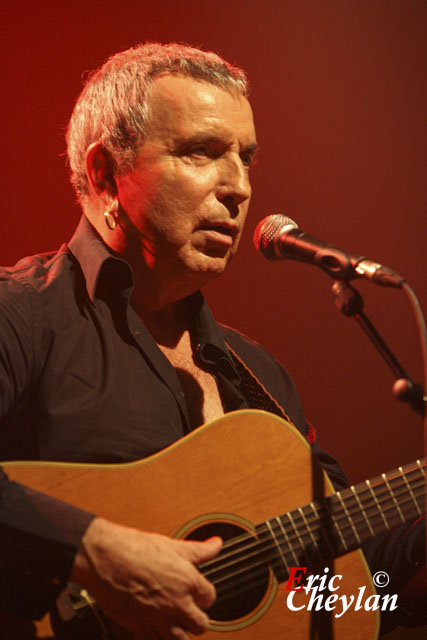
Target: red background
(338,90)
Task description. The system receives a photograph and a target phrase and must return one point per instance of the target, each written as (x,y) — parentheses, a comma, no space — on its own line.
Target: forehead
(180,105)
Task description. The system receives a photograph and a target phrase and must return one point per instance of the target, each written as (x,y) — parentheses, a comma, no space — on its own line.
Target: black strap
(254,391)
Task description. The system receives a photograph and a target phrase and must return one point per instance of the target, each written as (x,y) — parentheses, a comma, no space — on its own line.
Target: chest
(103,397)
(199,386)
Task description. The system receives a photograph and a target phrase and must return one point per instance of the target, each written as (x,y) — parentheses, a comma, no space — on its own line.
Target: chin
(209,269)
(217,263)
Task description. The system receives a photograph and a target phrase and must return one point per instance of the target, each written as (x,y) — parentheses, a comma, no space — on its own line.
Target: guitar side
(245,467)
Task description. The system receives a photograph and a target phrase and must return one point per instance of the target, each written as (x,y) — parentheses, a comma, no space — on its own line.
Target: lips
(226,228)
(221,233)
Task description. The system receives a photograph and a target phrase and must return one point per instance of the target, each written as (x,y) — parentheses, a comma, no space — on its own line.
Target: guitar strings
(260,546)
(250,543)
(229,545)
(241,582)
(293,537)
(274,556)
(247,578)
(347,493)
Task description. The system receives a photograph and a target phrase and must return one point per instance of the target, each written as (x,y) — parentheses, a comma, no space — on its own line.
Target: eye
(248,159)
(199,150)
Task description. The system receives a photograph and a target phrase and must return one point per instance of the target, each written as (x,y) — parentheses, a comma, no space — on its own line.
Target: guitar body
(242,469)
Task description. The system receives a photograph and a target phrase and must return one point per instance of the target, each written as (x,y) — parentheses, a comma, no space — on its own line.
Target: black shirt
(82,379)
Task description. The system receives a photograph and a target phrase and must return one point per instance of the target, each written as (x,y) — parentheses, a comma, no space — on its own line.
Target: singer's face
(186,201)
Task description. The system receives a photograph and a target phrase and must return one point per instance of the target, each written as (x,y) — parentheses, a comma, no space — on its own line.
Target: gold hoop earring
(110,216)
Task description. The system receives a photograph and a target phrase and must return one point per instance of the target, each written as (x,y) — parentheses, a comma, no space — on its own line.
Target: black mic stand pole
(349,301)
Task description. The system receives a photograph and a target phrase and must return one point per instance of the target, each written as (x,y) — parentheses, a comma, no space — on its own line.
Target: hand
(147,583)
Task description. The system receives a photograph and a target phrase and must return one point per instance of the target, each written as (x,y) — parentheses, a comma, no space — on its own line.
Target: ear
(99,170)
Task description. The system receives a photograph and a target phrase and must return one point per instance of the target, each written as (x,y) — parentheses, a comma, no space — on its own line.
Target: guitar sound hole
(239,588)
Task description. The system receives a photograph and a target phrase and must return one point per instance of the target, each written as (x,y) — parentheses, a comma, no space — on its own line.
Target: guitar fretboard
(342,522)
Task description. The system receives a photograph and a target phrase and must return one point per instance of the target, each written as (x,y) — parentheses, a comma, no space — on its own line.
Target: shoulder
(36,271)
(34,291)
(33,276)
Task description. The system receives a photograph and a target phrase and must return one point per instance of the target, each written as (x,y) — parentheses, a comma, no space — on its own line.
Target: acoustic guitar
(251,478)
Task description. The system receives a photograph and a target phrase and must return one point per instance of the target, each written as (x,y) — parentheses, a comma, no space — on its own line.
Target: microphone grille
(266,231)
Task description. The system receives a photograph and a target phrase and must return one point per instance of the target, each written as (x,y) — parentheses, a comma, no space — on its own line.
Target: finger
(198,552)
(178,634)
(196,620)
(203,592)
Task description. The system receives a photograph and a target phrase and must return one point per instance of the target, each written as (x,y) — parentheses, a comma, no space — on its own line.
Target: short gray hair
(113,106)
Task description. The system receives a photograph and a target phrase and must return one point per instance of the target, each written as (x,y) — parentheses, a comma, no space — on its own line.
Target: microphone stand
(349,301)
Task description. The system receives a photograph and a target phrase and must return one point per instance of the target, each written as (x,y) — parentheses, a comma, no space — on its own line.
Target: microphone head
(266,232)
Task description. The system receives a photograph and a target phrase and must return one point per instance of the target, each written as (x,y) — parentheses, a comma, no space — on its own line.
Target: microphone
(278,238)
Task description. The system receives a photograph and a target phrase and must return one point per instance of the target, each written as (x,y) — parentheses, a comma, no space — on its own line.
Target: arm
(38,536)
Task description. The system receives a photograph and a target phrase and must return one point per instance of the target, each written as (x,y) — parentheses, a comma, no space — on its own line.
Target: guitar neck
(343,521)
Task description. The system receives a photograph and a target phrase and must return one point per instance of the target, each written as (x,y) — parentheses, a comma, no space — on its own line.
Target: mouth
(228,229)
(218,236)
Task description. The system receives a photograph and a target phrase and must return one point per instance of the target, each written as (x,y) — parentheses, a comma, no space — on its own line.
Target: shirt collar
(95,259)
(211,346)
(98,263)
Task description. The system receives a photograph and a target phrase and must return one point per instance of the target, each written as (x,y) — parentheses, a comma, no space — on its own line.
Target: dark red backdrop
(339,97)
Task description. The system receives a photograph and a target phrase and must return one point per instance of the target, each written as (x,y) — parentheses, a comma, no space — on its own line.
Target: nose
(233,185)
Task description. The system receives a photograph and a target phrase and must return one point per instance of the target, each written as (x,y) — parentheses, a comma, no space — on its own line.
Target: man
(108,351)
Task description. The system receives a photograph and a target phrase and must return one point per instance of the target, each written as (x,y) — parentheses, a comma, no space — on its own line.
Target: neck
(167,324)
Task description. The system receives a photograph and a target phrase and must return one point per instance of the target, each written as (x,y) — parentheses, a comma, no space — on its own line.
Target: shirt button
(137,332)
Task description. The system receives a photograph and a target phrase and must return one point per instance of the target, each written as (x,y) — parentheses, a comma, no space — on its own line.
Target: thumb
(198,552)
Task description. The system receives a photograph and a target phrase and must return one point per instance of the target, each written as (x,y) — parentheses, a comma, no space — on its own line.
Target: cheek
(137,192)
(182,200)
(190,183)
(170,221)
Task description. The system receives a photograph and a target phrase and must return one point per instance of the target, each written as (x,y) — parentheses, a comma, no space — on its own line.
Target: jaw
(161,286)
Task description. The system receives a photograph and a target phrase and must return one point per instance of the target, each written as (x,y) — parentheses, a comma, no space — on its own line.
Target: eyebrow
(252,147)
